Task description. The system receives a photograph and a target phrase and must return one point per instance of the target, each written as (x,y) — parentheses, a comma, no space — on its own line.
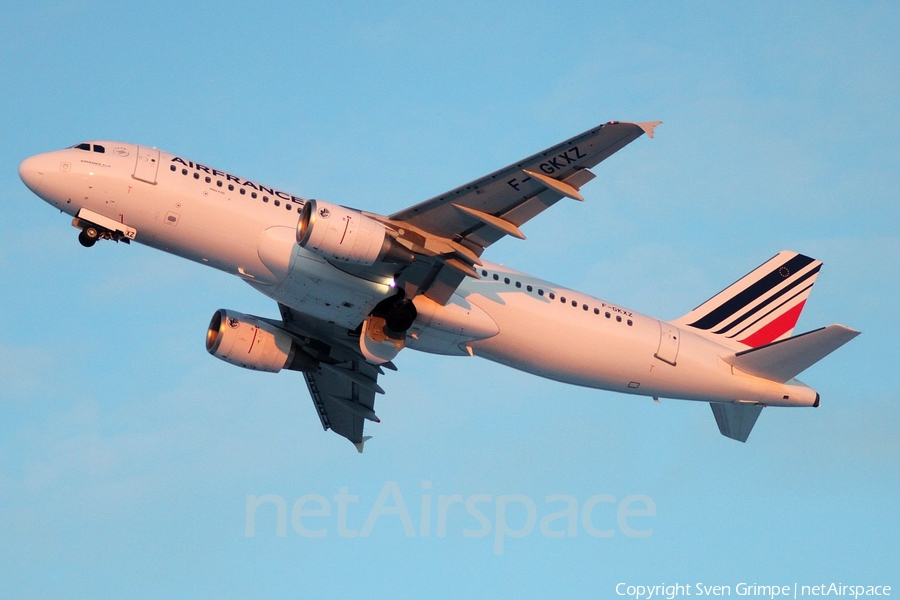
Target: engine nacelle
(346,235)
(250,342)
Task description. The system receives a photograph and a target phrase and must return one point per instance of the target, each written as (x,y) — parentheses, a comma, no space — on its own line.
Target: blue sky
(127,453)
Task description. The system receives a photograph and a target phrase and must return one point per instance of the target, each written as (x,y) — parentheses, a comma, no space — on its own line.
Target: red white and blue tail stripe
(760,308)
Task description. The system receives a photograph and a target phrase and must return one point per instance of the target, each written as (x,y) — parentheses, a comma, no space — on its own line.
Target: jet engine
(346,235)
(252,343)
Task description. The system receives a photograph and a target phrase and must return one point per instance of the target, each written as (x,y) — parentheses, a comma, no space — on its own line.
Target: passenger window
(540,292)
(518,284)
(208,180)
(243,191)
(529,288)
(630,323)
(98,148)
(172,168)
(607,315)
(562,299)
(552,295)
(287,205)
(618,318)
(584,306)
(483,273)
(596,311)
(506,280)
(277,202)
(219,182)
(196,175)
(184,171)
(230,187)
(575,303)
(253,194)
(496,277)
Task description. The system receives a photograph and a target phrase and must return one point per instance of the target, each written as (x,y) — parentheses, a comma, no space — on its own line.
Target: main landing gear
(383,333)
(398,313)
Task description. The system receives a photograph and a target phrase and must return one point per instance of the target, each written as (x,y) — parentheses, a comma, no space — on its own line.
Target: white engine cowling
(346,235)
(250,342)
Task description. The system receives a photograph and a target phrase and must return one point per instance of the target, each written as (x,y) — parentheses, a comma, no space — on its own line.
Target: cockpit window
(85,146)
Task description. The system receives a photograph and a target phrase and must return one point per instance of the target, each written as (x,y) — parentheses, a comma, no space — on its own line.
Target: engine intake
(346,235)
(251,343)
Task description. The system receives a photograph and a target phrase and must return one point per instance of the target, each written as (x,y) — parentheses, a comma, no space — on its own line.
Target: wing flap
(342,404)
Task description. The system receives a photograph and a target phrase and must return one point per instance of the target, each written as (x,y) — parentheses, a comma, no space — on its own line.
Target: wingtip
(360,444)
(649,127)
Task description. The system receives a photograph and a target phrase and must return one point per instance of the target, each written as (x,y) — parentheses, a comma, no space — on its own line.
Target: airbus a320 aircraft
(355,288)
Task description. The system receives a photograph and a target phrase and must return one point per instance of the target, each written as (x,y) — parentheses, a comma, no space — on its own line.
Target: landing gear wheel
(398,314)
(400,317)
(88,236)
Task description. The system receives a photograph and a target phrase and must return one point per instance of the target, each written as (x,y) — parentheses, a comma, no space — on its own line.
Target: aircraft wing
(344,385)
(473,216)
(342,403)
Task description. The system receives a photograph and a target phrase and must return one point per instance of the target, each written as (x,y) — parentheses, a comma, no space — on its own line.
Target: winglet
(648,127)
(359,445)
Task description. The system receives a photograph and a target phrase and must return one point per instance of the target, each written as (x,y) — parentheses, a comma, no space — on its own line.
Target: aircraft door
(668,343)
(147,164)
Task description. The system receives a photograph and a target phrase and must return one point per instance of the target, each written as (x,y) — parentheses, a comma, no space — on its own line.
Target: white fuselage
(248,229)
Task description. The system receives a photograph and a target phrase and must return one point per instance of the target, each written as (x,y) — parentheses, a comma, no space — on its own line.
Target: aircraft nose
(31,171)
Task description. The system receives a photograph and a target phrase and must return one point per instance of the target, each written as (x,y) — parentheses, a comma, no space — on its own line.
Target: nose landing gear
(89,236)
(95,226)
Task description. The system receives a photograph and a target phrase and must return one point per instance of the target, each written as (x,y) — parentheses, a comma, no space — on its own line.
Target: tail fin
(761,307)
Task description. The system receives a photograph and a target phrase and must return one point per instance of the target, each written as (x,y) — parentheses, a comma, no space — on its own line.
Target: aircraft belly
(315,287)
(449,328)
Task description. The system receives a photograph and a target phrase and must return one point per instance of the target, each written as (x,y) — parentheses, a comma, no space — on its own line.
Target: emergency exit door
(668,343)
(147,164)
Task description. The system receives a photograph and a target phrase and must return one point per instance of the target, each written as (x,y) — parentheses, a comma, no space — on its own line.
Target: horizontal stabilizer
(783,360)
(735,420)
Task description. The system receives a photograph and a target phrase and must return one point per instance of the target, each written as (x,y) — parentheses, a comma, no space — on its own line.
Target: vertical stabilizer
(761,307)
